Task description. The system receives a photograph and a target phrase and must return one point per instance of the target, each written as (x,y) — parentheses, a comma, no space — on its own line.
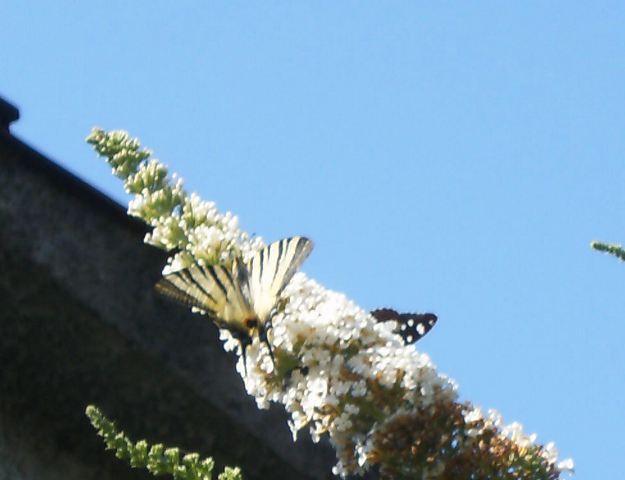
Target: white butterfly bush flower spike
(337,370)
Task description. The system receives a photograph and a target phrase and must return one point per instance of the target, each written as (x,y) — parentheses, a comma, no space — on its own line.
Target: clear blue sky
(454,157)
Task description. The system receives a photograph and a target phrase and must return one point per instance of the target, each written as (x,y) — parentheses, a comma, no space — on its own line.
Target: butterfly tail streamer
(341,372)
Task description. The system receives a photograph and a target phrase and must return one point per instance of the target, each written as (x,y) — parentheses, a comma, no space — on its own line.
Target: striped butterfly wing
(215,289)
(271,269)
(410,326)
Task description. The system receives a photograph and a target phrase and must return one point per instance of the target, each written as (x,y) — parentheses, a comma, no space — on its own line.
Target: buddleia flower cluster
(337,371)
(180,221)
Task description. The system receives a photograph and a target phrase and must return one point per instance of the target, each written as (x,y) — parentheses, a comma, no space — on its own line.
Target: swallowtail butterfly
(241,298)
(410,326)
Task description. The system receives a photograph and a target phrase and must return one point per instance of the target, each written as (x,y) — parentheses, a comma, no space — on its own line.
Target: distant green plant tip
(612,249)
(157,459)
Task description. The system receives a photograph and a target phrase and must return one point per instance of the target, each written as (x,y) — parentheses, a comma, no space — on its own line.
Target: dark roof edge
(70,182)
(8,114)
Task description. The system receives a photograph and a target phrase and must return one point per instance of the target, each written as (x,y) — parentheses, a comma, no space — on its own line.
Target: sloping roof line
(70,182)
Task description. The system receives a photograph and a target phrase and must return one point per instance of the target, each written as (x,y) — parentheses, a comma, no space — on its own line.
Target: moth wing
(410,326)
(271,269)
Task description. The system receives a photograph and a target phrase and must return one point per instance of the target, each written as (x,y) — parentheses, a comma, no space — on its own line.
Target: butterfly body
(241,298)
